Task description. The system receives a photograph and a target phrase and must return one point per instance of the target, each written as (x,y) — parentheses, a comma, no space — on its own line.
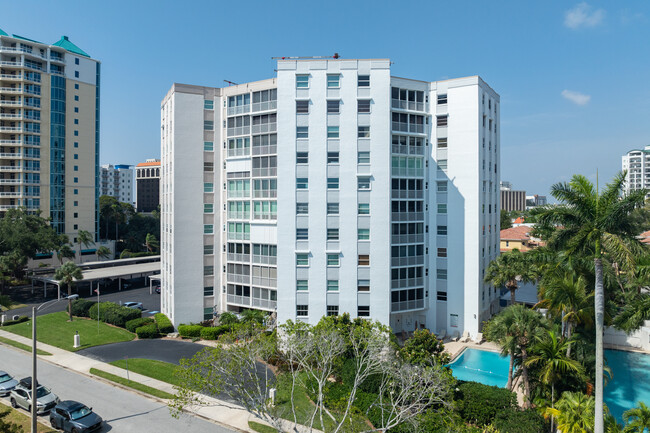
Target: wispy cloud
(576,97)
(629,17)
(583,15)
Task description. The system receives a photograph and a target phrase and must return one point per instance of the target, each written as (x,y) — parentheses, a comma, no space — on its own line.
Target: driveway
(171,351)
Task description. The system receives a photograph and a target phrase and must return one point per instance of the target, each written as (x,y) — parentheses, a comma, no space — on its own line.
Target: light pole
(34,407)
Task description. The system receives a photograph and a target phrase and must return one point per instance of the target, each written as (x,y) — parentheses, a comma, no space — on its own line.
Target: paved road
(124,411)
(151,302)
(171,351)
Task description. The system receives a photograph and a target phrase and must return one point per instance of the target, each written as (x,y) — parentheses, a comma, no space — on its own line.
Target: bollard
(77,340)
(272,396)
(3,317)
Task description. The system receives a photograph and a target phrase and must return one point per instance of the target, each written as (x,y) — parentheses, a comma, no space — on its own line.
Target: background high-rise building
(333,188)
(117,181)
(511,199)
(637,164)
(147,179)
(49,132)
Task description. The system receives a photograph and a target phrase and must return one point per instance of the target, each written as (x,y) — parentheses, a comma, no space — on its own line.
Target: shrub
(21,319)
(479,404)
(81,307)
(213,333)
(520,421)
(165,325)
(193,331)
(228,318)
(147,331)
(423,348)
(134,324)
(114,314)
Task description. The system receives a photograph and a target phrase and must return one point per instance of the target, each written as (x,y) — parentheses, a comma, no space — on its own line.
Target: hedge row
(149,330)
(21,319)
(113,313)
(81,307)
(190,331)
(214,333)
(165,325)
(134,324)
(479,404)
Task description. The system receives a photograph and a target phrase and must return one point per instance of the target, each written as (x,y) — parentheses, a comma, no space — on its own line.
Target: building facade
(512,199)
(117,181)
(147,179)
(49,132)
(637,165)
(333,188)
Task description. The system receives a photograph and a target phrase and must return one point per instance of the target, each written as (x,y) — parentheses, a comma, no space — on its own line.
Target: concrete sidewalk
(220,412)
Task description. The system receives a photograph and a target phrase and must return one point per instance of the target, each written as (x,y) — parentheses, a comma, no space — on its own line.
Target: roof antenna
(230,83)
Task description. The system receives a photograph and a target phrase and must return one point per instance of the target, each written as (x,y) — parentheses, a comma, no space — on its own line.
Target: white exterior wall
(637,165)
(120,188)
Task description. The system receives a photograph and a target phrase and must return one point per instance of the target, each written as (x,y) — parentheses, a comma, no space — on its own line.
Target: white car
(137,305)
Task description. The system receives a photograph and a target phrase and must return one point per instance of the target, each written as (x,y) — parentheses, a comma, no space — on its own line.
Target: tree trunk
(600,313)
(510,368)
(70,301)
(512,294)
(552,404)
(524,376)
(568,349)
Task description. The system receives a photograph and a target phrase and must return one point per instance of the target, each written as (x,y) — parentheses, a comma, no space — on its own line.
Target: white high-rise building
(333,188)
(637,164)
(117,181)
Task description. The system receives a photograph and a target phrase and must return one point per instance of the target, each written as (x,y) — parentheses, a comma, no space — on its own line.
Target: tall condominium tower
(147,178)
(333,188)
(117,181)
(49,132)
(637,164)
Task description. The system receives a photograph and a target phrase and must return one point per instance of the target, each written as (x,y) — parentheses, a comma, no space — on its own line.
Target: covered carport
(95,275)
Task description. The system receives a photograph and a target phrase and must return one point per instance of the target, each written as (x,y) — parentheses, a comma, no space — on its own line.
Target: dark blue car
(74,417)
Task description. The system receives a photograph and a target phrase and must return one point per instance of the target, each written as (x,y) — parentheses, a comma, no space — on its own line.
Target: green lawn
(22,346)
(55,329)
(17,416)
(261,428)
(163,371)
(131,384)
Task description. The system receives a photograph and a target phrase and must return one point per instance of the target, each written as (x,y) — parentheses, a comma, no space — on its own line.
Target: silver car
(136,305)
(7,383)
(22,397)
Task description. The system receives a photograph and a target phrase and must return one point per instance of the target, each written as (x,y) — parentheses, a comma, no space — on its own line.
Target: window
(332,310)
(302,285)
(363,157)
(302,234)
(441,274)
(442,252)
(442,99)
(208,270)
(302,208)
(333,106)
(302,132)
(364,260)
(442,207)
(441,296)
(208,229)
(208,249)
(302,157)
(76,144)
(332,208)
(363,81)
(302,107)
(76,203)
(208,125)
(363,132)
(363,208)
(302,259)
(442,186)
(332,132)
(76,191)
(332,157)
(363,311)
(333,260)
(76,109)
(76,61)
(302,183)
(208,208)
(76,179)
(76,97)
(76,168)
(442,143)
(76,74)
(208,104)
(332,234)
(363,234)
(441,120)
(208,146)
(442,164)
(333,81)
(76,121)
(302,310)
(363,183)
(208,291)
(332,183)
(302,81)
(332,285)
(208,187)
(208,166)
(363,106)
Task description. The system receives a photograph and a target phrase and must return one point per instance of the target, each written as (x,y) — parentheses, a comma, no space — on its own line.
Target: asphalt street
(123,411)
(171,351)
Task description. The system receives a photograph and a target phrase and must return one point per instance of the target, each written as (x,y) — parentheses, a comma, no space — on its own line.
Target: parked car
(137,305)
(7,383)
(74,417)
(157,289)
(21,396)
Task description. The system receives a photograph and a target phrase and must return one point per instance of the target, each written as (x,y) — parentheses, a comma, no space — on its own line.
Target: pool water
(482,366)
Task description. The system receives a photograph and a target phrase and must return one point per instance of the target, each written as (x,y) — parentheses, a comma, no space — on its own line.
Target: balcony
(9,206)
(407,261)
(10,155)
(7,103)
(9,168)
(242,109)
(408,150)
(417,304)
(407,216)
(10,194)
(399,104)
(10,89)
(239,300)
(406,194)
(407,282)
(264,106)
(238,130)
(238,278)
(10,116)
(10,64)
(235,257)
(264,128)
(11,142)
(57,59)
(265,260)
(11,181)
(264,281)
(265,304)
(11,129)
(11,77)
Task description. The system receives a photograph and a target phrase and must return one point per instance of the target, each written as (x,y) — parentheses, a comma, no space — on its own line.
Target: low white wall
(639,339)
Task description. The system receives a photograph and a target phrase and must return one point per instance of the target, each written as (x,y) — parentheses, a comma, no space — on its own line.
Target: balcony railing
(407,216)
(238,278)
(10,116)
(398,104)
(407,282)
(10,89)
(12,168)
(408,150)
(407,261)
(406,194)
(265,304)
(239,130)
(9,206)
(10,103)
(235,257)
(11,129)
(265,106)
(12,77)
(239,300)
(238,110)
(264,172)
(265,260)
(407,239)
(407,305)
(10,194)
(264,128)
(263,281)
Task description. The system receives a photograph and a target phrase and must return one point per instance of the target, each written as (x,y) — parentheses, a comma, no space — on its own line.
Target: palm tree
(151,243)
(508,270)
(65,252)
(103,252)
(596,225)
(66,274)
(637,420)
(551,353)
(572,413)
(84,238)
(498,331)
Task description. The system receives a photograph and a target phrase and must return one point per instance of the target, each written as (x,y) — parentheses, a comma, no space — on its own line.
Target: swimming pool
(630,383)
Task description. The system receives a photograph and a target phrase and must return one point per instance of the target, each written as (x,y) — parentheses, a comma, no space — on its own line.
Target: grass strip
(131,384)
(22,346)
(261,428)
(23,421)
(163,371)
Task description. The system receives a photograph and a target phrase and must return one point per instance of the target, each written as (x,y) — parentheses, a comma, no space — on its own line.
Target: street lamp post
(34,407)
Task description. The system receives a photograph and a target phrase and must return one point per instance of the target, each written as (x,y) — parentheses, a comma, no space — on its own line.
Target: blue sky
(573,76)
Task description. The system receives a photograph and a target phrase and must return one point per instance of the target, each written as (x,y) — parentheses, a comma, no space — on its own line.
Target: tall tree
(509,269)
(596,225)
(637,419)
(151,242)
(573,413)
(103,252)
(84,238)
(67,274)
(498,330)
(65,252)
